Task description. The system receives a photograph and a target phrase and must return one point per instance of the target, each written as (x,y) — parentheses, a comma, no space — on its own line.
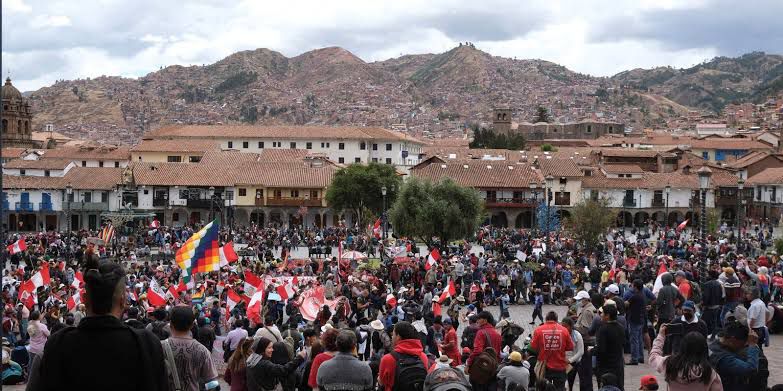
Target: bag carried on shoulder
(484,366)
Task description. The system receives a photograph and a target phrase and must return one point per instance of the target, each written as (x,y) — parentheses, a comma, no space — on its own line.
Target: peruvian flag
(17,247)
(436,310)
(78,280)
(286,291)
(232,299)
(432,259)
(155,297)
(450,291)
(132,296)
(662,268)
(682,225)
(27,294)
(74,300)
(155,224)
(173,292)
(391,300)
(227,254)
(252,283)
(254,308)
(376,229)
(41,277)
(182,287)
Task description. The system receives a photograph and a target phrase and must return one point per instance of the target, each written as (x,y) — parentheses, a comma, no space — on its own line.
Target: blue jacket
(735,369)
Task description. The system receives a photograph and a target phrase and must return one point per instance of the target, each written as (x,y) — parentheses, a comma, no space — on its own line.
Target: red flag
(232,299)
(27,294)
(254,307)
(436,310)
(376,228)
(227,254)
(682,225)
(450,291)
(78,280)
(18,246)
(173,291)
(182,287)
(74,300)
(286,291)
(41,277)
(155,297)
(662,268)
(432,259)
(252,283)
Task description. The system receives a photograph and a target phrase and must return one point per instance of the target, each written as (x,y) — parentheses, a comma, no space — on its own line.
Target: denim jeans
(637,342)
(711,316)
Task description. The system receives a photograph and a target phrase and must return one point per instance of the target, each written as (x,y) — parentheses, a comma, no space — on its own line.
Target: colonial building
(17,119)
(767,194)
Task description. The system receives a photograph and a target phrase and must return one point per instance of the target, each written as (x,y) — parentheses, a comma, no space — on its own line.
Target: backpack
(484,366)
(695,293)
(410,373)
(446,379)
(159,329)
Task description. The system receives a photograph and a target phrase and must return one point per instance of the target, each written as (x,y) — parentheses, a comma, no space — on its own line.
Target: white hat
(444,359)
(377,325)
(582,295)
(613,289)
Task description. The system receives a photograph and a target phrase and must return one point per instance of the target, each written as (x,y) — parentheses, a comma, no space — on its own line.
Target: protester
(344,371)
(687,323)
(516,373)
(450,345)
(193,361)
(648,383)
(735,356)
(329,341)
(407,347)
(236,370)
(262,373)
(574,356)
(551,341)
(609,349)
(688,368)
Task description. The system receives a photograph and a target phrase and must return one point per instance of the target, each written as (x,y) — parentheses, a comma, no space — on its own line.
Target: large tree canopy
(445,210)
(589,221)
(357,188)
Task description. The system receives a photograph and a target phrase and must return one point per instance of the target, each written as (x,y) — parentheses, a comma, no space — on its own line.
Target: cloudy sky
(46,40)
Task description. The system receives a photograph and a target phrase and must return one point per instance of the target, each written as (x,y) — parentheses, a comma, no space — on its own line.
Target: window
(314,194)
(242,192)
(758,193)
(259,193)
(357,160)
(146,192)
(375,160)
(70,197)
(562,198)
(293,145)
(388,147)
(705,155)
(362,145)
(230,144)
(375,147)
(277,144)
(563,180)
(87,196)
(116,164)
(341,160)
(230,195)
(184,194)
(294,193)
(589,128)
(325,145)
(84,163)
(341,146)
(175,159)
(245,144)
(278,194)
(194,159)
(260,145)
(100,164)
(104,196)
(175,216)
(611,129)
(22,172)
(47,173)
(492,196)
(309,145)
(388,160)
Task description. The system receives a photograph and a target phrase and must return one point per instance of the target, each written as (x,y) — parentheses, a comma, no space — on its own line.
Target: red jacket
(389,364)
(480,342)
(551,341)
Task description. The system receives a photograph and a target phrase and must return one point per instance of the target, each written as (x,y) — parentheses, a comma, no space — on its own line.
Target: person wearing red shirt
(329,340)
(551,340)
(450,345)
(683,284)
(486,324)
(406,341)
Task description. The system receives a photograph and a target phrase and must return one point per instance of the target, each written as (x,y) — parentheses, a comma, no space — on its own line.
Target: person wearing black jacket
(133,319)
(711,303)
(608,350)
(102,353)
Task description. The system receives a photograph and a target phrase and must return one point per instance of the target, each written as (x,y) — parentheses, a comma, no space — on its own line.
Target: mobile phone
(674,329)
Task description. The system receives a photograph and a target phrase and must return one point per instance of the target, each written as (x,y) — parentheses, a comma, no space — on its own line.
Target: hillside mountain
(714,84)
(427,93)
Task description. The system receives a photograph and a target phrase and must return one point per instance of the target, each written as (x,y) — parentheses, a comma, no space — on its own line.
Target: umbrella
(354,255)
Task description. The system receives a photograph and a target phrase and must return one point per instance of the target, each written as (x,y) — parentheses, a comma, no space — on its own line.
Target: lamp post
(211,194)
(668,190)
(704,174)
(550,183)
(383,192)
(740,187)
(68,195)
(535,199)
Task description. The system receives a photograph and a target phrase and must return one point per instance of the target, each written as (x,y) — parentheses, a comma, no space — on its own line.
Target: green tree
(487,138)
(589,221)
(357,188)
(443,209)
(548,148)
(542,115)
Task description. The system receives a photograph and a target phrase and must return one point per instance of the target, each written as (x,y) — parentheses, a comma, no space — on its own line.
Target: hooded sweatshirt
(388,367)
(692,382)
(735,369)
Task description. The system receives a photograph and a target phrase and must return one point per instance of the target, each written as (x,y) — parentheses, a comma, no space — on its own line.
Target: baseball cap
(650,382)
(582,295)
(613,289)
(689,305)
(515,356)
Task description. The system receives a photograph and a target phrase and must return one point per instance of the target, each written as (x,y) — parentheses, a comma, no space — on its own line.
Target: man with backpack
(405,368)
(482,364)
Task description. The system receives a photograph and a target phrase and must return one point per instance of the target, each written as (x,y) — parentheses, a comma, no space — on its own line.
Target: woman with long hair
(315,349)
(329,340)
(262,373)
(688,369)
(236,370)
(281,356)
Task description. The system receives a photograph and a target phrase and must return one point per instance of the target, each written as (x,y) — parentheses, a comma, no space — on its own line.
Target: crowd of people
(700,313)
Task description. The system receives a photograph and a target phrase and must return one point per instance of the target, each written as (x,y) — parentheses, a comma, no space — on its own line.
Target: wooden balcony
(288,201)
(510,203)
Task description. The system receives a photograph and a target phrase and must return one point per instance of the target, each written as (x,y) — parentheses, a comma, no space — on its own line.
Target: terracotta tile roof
(285,174)
(97,178)
(178,145)
(559,167)
(88,152)
(650,180)
(730,143)
(228,158)
(280,132)
(752,158)
(629,152)
(40,164)
(770,176)
(482,174)
(32,182)
(465,153)
(182,174)
(723,178)
(13,152)
(622,169)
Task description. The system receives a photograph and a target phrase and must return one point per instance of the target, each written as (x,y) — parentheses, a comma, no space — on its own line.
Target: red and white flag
(172,292)
(155,297)
(27,294)
(682,225)
(74,300)
(232,299)
(18,246)
(286,291)
(391,300)
(376,229)
(252,283)
(41,277)
(227,254)
(432,259)
(450,291)
(254,307)
(155,224)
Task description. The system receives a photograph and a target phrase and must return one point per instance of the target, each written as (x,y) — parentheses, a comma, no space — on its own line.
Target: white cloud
(46,40)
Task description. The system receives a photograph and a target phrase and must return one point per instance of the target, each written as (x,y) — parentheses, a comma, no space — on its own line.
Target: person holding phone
(735,355)
(688,368)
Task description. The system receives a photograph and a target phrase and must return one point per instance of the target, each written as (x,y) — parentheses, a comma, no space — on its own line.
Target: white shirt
(235,336)
(757,314)
(575,355)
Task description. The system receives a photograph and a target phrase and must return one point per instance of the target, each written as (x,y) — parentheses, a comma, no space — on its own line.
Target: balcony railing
(514,202)
(25,206)
(288,201)
(45,206)
(160,202)
(629,203)
(726,201)
(91,206)
(658,203)
(205,203)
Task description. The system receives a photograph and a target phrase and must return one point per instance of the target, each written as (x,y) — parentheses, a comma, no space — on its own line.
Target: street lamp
(383,192)
(740,187)
(550,183)
(668,190)
(704,174)
(535,200)
(68,195)
(211,195)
